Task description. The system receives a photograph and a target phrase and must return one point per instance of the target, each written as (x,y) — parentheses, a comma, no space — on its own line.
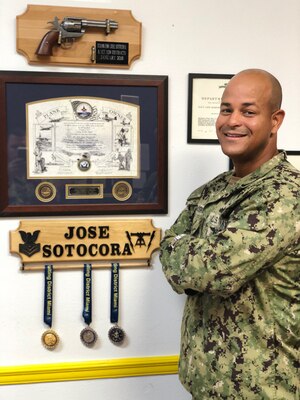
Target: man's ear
(277,118)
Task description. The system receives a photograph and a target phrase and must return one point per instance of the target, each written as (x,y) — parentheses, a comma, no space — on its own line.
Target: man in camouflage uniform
(235,251)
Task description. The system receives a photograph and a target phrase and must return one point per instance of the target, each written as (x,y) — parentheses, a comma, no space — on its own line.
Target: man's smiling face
(246,126)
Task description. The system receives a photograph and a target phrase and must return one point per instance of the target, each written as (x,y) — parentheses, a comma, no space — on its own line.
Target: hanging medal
(88,336)
(115,334)
(50,338)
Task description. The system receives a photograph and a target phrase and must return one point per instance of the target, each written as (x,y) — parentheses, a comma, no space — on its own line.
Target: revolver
(68,30)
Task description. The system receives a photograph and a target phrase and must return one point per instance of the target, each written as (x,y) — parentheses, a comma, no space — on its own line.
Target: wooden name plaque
(116,45)
(70,243)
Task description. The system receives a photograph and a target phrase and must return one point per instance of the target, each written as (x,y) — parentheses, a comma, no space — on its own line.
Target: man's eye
(249,112)
(225,111)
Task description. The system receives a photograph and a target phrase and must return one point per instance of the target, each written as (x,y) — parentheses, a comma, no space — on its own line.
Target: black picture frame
(147,194)
(293,157)
(204,95)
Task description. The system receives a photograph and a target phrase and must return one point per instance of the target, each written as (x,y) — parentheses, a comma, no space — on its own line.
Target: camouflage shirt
(235,250)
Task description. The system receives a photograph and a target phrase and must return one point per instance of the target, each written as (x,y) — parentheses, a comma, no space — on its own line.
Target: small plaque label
(111,53)
(89,191)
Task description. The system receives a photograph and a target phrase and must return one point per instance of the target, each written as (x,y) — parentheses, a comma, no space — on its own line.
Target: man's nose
(234,119)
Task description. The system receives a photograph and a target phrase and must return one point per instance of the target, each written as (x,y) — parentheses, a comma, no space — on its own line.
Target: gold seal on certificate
(50,339)
(82,109)
(116,334)
(45,192)
(122,190)
(84,163)
(88,336)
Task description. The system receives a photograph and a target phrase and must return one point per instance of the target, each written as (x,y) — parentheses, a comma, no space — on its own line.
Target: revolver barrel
(74,24)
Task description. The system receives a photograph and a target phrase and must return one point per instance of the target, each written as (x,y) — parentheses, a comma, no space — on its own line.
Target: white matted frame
(204,97)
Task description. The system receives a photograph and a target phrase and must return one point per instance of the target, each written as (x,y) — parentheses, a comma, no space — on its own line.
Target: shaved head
(265,77)
(250,116)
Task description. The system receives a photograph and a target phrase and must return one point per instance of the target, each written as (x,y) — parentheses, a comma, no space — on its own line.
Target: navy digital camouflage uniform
(235,250)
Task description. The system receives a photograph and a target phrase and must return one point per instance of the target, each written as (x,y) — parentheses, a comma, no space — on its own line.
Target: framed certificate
(74,144)
(204,96)
(293,157)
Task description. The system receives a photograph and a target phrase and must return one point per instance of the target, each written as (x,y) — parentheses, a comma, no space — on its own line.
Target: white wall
(200,36)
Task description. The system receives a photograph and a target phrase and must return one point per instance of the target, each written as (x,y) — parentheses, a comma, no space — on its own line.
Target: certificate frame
(293,157)
(143,192)
(204,94)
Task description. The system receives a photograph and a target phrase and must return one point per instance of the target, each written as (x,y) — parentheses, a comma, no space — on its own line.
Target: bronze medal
(116,334)
(50,339)
(88,337)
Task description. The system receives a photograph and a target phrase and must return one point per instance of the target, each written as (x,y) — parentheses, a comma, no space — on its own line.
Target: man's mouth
(234,135)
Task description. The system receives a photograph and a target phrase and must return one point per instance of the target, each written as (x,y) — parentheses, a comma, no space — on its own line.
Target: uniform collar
(222,188)
(263,169)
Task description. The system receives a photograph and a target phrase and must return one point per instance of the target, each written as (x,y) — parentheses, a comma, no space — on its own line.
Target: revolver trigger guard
(67,43)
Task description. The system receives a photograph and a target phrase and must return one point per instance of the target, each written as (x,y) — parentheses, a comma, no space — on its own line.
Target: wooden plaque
(33,25)
(70,243)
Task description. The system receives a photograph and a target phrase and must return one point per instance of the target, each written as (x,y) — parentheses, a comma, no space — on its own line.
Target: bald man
(235,252)
(249,119)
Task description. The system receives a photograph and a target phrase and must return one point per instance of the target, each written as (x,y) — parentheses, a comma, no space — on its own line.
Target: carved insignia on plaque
(140,239)
(29,247)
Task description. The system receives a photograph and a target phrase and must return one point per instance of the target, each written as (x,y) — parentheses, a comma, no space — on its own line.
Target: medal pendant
(88,337)
(50,339)
(116,334)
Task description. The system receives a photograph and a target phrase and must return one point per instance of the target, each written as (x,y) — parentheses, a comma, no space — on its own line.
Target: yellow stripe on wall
(100,369)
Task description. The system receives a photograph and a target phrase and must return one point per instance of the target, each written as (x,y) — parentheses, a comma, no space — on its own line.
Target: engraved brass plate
(89,191)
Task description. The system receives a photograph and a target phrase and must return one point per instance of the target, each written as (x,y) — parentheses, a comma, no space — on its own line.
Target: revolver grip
(47,43)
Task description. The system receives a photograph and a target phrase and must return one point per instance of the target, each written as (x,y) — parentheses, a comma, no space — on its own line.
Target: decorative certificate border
(82,137)
(204,95)
(67,130)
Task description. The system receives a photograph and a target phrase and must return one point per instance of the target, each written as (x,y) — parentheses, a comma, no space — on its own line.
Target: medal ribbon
(48,294)
(87,293)
(114,298)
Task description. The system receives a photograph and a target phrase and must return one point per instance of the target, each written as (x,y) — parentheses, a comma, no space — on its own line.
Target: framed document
(74,144)
(293,157)
(204,96)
